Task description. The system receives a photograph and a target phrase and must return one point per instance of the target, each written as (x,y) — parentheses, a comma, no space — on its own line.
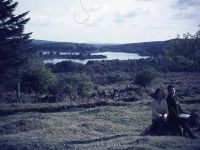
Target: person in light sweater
(159,112)
(159,105)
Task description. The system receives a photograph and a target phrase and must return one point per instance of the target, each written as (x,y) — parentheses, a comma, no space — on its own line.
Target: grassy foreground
(103,127)
(100,125)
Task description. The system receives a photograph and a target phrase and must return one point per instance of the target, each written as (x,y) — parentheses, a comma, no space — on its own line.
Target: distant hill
(145,48)
(42,45)
(153,48)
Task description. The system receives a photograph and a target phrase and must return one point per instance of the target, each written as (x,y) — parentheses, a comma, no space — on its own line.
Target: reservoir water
(110,56)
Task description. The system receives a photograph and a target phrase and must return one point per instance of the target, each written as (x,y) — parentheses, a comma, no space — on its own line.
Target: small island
(81,55)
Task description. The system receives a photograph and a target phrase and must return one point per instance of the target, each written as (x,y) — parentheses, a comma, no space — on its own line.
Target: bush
(67,66)
(36,77)
(81,83)
(72,85)
(145,77)
(117,77)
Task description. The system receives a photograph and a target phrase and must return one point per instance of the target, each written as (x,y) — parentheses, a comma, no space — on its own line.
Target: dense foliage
(146,48)
(14,52)
(114,77)
(145,77)
(12,37)
(36,77)
(184,53)
(73,85)
(40,46)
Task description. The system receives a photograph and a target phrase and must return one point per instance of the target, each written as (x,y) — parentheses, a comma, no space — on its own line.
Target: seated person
(159,113)
(174,121)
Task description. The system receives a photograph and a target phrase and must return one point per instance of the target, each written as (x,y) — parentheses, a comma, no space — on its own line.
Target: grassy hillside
(101,125)
(106,127)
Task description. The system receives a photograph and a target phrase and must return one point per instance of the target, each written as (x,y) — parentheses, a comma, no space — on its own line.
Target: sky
(110,21)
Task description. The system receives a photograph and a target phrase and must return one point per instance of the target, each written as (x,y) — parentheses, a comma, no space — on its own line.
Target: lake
(110,56)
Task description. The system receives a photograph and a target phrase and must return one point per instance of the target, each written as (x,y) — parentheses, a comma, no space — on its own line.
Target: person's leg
(162,127)
(174,126)
(154,127)
(186,128)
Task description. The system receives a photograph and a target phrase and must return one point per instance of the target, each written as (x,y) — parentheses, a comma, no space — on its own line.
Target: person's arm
(166,110)
(171,110)
(154,111)
(178,105)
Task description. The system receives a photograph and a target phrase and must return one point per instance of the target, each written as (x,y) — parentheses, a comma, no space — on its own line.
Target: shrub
(117,77)
(72,85)
(81,83)
(36,77)
(145,77)
(68,66)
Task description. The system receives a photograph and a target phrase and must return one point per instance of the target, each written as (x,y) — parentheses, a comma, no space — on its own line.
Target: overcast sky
(110,21)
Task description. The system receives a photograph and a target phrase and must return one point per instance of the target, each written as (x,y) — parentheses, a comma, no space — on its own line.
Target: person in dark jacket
(174,121)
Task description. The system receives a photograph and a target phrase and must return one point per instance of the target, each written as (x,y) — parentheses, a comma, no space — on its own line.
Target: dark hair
(156,92)
(170,87)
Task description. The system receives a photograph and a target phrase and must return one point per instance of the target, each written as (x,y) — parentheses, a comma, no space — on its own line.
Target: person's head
(159,94)
(171,90)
